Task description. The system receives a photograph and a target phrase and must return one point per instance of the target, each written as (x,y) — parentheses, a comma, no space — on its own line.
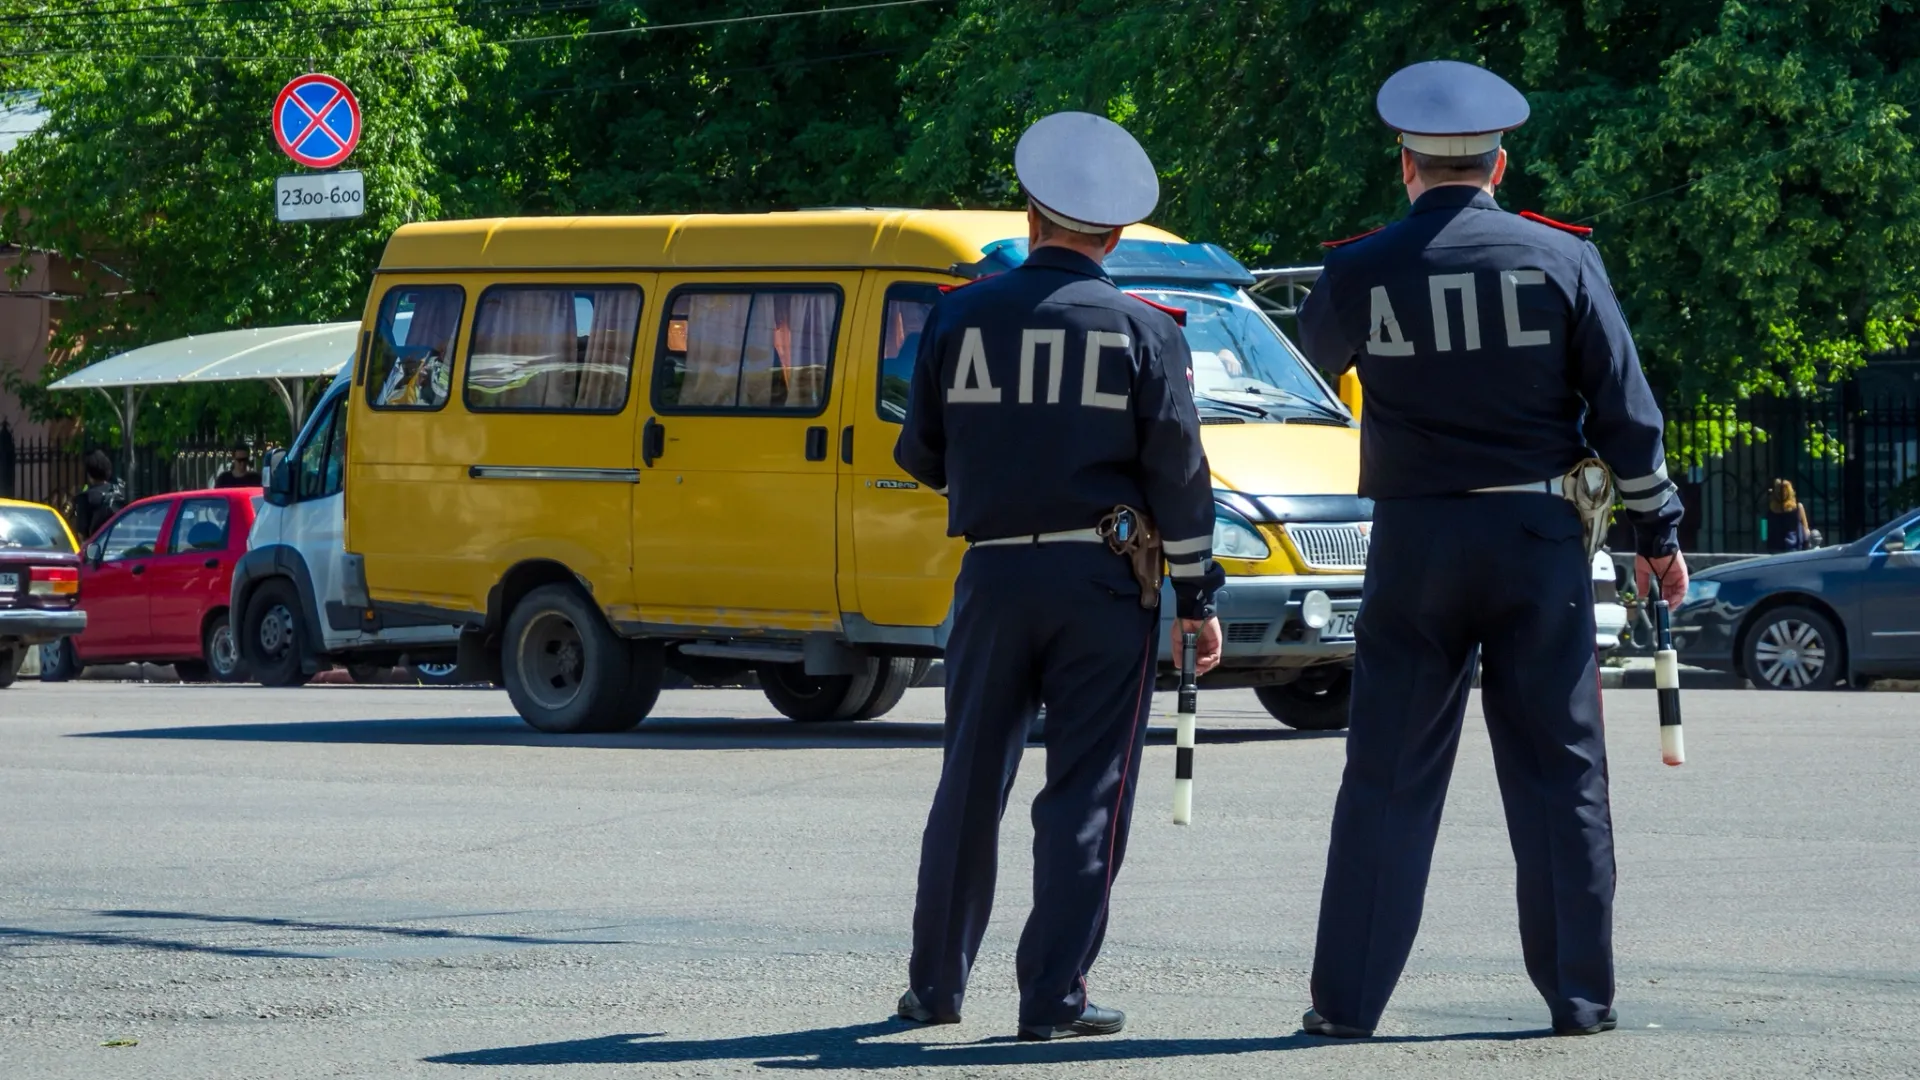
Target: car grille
(1246,633)
(1332,547)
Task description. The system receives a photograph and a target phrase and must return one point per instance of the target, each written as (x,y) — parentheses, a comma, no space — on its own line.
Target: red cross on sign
(316,120)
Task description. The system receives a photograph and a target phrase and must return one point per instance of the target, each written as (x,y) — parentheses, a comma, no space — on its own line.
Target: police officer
(1041,400)
(1494,359)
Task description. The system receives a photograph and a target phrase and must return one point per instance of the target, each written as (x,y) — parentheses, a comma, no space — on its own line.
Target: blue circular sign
(316,121)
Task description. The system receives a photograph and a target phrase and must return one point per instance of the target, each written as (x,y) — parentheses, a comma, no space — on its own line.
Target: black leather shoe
(1094,1020)
(911,1009)
(1607,1023)
(1315,1024)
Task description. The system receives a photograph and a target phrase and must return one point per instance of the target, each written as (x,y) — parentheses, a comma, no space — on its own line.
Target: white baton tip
(1673,745)
(1666,670)
(1182,802)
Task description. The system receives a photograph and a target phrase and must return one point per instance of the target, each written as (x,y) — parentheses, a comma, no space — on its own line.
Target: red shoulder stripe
(958,285)
(1581,231)
(1350,239)
(1179,314)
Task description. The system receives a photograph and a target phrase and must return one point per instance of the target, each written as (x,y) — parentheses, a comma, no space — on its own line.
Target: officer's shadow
(849,1048)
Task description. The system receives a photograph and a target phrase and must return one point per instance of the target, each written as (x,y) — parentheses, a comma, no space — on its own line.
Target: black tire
(10,660)
(222,651)
(273,635)
(1794,648)
(814,699)
(1313,702)
(568,673)
(434,673)
(369,674)
(59,662)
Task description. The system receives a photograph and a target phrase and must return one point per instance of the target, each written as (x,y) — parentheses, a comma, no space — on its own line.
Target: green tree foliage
(157,162)
(1748,165)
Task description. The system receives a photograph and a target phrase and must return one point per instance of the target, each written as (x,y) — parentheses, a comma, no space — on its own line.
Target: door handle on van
(816,444)
(653,441)
(846,444)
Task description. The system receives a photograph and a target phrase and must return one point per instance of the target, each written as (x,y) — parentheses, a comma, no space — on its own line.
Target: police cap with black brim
(1085,173)
(1444,108)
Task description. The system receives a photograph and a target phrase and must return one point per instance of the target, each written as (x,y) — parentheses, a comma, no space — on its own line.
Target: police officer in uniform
(1042,399)
(1494,360)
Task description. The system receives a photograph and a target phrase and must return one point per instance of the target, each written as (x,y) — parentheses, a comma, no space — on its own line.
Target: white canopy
(284,357)
(276,352)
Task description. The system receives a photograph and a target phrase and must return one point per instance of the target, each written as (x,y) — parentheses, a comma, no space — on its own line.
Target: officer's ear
(1113,241)
(1499,169)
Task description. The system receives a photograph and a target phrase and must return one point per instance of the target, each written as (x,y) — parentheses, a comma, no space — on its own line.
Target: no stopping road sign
(316,121)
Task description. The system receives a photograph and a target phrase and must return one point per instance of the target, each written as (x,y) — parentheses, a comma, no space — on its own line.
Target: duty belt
(1540,487)
(1588,486)
(1068,536)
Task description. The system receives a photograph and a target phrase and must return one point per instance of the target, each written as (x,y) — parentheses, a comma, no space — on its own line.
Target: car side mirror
(1894,543)
(92,554)
(279,483)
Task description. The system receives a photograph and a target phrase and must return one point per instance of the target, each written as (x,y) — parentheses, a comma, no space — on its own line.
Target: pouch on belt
(1132,533)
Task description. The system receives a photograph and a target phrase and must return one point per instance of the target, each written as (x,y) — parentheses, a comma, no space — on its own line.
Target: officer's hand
(1670,569)
(1206,646)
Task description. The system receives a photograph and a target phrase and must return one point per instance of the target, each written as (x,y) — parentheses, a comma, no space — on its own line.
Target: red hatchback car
(154,582)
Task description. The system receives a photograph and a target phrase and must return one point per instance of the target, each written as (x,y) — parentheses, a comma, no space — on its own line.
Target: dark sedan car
(1807,620)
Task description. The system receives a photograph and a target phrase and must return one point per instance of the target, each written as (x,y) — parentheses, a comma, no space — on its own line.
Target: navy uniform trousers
(1506,577)
(1059,624)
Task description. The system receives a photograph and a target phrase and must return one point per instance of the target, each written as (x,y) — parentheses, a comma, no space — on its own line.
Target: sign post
(316,121)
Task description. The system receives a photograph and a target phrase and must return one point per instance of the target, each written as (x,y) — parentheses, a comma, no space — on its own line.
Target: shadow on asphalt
(428,932)
(846,1048)
(662,733)
(15,936)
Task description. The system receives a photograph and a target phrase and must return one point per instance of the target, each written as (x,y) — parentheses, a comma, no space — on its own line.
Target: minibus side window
(412,363)
(900,324)
(739,350)
(552,348)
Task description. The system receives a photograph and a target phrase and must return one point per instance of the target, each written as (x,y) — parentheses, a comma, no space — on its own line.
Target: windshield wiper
(1292,398)
(1241,407)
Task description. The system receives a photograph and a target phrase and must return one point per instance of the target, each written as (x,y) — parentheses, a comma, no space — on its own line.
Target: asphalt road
(405,882)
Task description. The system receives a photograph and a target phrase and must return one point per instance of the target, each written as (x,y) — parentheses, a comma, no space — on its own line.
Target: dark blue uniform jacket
(1491,351)
(1044,397)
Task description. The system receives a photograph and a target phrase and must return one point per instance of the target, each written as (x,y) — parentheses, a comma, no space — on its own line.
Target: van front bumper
(1266,641)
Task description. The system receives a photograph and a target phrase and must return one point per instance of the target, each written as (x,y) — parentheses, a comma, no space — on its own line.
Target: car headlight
(1699,592)
(1236,538)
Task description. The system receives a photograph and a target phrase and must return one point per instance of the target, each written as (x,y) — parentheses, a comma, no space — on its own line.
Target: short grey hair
(1455,168)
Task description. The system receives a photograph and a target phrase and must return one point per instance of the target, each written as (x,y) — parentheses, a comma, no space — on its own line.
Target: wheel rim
(223,651)
(1791,654)
(805,687)
(276,631)
(436,671)
(553,660)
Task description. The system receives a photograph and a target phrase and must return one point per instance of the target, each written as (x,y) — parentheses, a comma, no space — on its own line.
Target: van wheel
(431,673)
(569,673)
(59,662)
(272,639)
(1316,701)
(814,699)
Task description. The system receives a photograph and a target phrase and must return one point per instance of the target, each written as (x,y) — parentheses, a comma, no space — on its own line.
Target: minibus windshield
(1240,359)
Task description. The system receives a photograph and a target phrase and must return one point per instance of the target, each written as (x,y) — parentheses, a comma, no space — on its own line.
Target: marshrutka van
(609,446)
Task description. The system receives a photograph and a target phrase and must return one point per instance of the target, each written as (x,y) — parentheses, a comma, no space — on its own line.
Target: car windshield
(32,528)
(1240,359)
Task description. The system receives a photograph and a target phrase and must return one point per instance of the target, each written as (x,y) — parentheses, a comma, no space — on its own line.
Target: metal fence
(53,472)
(1854,464)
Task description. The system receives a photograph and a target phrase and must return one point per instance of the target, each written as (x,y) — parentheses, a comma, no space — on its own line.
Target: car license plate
(9,582)
(1340,626)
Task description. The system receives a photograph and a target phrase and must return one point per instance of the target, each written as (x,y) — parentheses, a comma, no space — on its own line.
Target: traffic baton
(1188,709)
(1666,681)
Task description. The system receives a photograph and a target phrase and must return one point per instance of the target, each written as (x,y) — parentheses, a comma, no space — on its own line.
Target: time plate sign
(319,196)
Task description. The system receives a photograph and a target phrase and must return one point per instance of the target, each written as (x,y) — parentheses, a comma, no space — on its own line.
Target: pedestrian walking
(1054,412)
(1495,365)
(1787,528)
(101,498)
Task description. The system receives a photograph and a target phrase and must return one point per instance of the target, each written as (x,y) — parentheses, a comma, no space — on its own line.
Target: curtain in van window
(807,320)
(716,325)
(608,361)
(522,356)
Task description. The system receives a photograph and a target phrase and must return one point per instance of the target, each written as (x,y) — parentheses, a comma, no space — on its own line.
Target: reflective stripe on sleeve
(1641,485)
(1644,503)
(1190,570)
(1199,545)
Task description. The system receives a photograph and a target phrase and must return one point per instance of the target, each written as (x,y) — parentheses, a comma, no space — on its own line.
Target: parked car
(289,589)
(39,582)
(1808,620)
(1609,614)
(154,582)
